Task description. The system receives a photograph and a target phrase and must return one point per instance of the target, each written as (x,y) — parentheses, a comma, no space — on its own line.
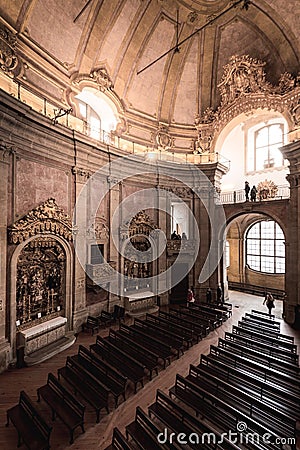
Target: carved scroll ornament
(8,59)
(140,224)
(99,229)
(266,189)
(100,76)
(46,218)
(243,89)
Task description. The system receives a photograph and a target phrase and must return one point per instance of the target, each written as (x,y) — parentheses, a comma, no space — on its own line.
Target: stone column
(205,218)
(292,280)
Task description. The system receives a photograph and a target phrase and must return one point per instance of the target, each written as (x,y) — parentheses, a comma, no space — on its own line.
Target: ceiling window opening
(265,247)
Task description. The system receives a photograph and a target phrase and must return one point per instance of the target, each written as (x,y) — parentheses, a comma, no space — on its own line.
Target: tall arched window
(265,247)
(267,142)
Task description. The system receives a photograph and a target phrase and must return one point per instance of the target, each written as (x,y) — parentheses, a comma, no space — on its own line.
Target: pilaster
(4,167)
(292,281)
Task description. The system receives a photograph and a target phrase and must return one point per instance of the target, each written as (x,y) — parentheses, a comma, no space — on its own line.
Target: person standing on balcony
(253,194)
(247,190)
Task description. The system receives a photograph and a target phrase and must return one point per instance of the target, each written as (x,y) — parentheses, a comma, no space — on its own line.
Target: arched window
(99,112)
(267,142)
(265,247)
(263,147)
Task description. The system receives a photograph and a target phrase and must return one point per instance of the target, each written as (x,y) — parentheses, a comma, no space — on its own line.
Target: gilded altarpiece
(138,269)
(41,266)
(40,280)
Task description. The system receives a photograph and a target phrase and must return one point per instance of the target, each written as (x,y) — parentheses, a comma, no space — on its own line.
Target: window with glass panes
(267,141)
(265,247)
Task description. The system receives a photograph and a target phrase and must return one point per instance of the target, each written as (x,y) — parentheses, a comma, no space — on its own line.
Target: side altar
(140,303)
(44,340)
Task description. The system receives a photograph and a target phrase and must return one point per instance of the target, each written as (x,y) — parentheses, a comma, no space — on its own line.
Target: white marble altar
(43,334)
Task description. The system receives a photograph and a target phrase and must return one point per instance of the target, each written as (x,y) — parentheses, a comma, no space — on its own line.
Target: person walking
(253,193)
(247,190)
(269,301)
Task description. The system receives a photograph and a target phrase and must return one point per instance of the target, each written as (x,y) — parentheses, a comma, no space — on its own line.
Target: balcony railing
(239,196)
(50,109)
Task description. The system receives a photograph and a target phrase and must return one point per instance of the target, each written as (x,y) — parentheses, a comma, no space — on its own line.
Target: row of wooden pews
(244,394)
(98,377)
(105,319)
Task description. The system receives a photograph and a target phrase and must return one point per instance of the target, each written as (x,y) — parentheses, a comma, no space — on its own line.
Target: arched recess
(236,229)
(139,251)
(46,223)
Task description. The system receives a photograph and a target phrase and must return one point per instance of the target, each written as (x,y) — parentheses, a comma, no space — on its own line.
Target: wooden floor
(98,436)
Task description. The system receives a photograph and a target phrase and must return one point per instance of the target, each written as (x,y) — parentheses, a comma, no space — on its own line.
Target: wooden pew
(212,309)
(92,324)
(136,343)
(197,329)
(158,333)
(268,327)
(282,423)
(87,388)
(144,357)
(213,315)
(262,314)
(62,404)
(178,420)
(256,368)
(206,319)
(119,442)
(263,347)
(163,351)
(106,318)
(144,432)
(272,393)
(262,319)
(227,307)
(283,338)
(255,355)
(184,333)
(256,336)
(212,408)
(31,426)
(255,381)
(187,315)
(129,367)
(111,381)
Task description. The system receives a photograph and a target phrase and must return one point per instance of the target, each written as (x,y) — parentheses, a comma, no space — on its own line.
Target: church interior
(150,224)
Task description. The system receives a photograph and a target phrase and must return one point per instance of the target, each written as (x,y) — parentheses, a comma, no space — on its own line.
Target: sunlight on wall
(236,143)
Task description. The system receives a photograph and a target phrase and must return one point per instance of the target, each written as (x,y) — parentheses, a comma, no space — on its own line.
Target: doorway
(179,289)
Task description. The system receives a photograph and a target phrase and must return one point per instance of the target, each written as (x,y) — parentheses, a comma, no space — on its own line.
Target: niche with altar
(40,293)
(138,267)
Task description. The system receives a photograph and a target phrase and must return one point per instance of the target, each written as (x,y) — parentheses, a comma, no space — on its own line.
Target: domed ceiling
(61,40)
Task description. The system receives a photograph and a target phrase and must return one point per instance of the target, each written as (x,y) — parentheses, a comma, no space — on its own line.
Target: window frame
(268,145)
(275,259)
